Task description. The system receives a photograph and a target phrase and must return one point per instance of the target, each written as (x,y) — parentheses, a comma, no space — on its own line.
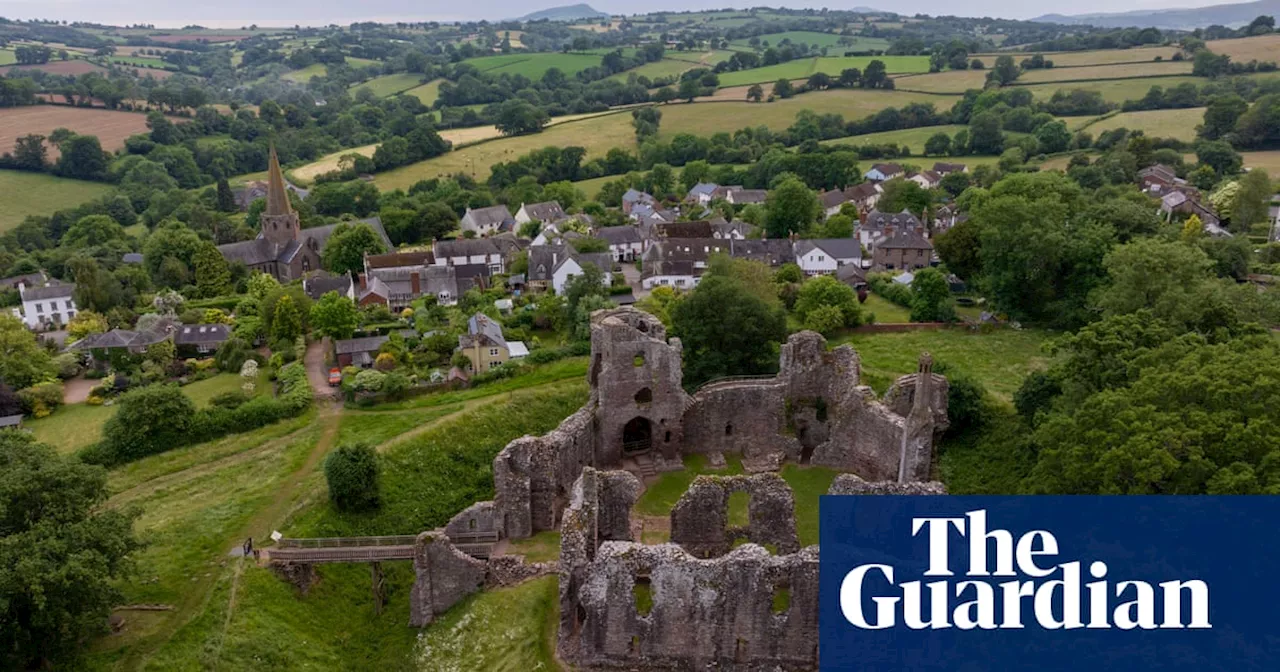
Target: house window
(39,308)
(493,352)
(821,258)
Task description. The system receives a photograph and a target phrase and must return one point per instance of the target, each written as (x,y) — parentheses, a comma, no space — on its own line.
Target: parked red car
(335,377)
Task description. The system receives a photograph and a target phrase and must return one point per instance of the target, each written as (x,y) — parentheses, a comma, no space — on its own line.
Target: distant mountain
(566,13)
(1233,16)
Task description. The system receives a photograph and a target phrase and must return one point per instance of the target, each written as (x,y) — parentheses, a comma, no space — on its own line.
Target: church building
(283,249)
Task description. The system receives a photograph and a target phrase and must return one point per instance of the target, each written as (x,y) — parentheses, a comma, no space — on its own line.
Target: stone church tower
(280,224)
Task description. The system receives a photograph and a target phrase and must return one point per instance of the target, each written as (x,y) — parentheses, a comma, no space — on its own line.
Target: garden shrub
(39,401)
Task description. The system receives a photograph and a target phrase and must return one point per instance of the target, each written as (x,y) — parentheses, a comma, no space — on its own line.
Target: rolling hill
(1233,15)
(566,13)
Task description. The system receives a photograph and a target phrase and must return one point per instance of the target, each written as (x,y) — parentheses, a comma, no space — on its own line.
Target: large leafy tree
(790,208)
(825,291)
(726,330)
(335,316)
(518,117)
(148,420)
(22,361)
(1189,418)
(61,554)
(347,245)
(213,275)
(286,322)
(931,297)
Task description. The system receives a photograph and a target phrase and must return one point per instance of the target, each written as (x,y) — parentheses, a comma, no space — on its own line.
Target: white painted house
(822,256)
(47,307)
(468,251)
(883,171)
(546,212)
(571,265)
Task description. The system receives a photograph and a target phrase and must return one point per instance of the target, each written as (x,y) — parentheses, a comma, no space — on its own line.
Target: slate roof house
(633,198)
(883,171)
(702,193)
(905,249)
(464,251)
(624,242)
(944,169)
(47,306)
(927,179)
(880,225)
(358,351)
(864,195)
(545,212)
(318,285)
(551,266)
(200,339)
(485,346)
(487,221)
(283,249)
(823,256)
(747,196)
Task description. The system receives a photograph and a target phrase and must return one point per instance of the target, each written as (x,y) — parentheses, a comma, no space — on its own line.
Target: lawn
(541,547)
(41,194)
(1000,358)
(388,85)
(807,483)
(1180,124)
(565,369)
(886,311)
(802,68)
(75,426)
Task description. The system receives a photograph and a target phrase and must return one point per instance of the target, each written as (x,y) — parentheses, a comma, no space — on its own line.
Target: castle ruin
(733,597)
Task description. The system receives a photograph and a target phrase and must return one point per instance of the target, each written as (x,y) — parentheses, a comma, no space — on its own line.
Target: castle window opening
(644,396)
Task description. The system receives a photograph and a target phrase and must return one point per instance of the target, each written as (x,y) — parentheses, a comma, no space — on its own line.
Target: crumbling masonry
(712,603)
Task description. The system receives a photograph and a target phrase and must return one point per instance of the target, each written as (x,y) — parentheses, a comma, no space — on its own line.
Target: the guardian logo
(1040,590)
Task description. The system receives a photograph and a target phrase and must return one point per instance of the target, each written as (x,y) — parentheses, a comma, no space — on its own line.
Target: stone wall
(625,605)
(479,518)
(444,575)
(699,521)
(815,410)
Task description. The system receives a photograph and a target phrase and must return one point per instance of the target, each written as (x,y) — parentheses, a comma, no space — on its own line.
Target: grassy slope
(1180,124)
(817,39)
(1096,57)
(7,57)
(388,85)
(1000,359)
(1098,72)
(804,67)
(667,67)
(39,194)
(428,92)
(534,66)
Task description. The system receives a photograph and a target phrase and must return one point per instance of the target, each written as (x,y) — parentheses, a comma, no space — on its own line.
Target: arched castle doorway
(637,436)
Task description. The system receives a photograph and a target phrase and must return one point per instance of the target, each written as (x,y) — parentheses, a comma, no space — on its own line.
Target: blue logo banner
(925,583)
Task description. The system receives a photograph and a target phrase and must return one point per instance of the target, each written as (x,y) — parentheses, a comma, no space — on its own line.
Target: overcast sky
(235,13)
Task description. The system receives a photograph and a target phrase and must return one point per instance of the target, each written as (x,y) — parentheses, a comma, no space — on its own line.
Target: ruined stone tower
(636,382)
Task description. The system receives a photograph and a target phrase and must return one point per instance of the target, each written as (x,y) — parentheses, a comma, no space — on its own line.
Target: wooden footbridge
(370,549)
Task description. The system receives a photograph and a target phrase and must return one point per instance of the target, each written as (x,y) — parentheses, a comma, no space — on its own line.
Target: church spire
(277,195)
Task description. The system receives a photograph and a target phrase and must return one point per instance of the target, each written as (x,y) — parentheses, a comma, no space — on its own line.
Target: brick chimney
(363,284)
(415,283)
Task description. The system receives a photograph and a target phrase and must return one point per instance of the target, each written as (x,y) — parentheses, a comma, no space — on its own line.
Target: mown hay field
(816,39)
(1180,124)
(427,93)
(600,133)
(1245,49)
(1114,90)
(1096,57)
(1096,72)
(111,126)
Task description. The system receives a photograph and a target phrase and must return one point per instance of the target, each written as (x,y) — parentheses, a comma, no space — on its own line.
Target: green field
(361,62)
(1103,72)
(598,134)
(141,62)
(40,194)
(427,93)
(816,39)
(388,85)
(667,67)
(802,68)
(1180,124)
(534,66)
(305,74)
(7,57)
(911,137)
(1115,90)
